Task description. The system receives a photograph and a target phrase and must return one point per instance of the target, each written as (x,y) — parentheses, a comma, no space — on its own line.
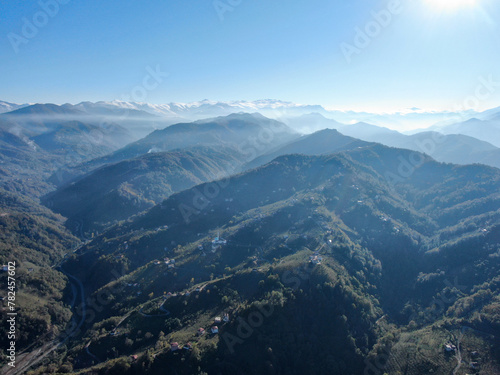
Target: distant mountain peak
(46,109)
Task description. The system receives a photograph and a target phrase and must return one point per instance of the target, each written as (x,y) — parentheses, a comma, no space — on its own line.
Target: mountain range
(277,109)
(239,244)
(326,247)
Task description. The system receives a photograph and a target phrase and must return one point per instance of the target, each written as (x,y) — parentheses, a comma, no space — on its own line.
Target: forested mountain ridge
(32,240)
(390,242)
(118,191)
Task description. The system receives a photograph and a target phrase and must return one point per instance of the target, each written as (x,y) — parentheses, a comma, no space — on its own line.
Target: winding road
(25,360)
(458,355)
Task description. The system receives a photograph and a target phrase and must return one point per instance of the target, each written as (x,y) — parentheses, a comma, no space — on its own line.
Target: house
(170,266)
(450,347)
(5,268)
(201,331)
(134,357)
(226,318)
(316,259)
(218,320)
(218,242)
(215,330)
(174,346)
(188,346)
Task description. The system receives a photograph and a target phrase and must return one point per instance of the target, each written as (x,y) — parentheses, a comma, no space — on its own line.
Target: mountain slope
(9,107)
(449,147)
(310,123)
(396,231)
(33,239)
(487,130)
(250,134)
(117,191)
(326,141)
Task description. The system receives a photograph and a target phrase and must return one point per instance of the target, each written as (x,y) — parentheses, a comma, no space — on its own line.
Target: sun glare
(451,4)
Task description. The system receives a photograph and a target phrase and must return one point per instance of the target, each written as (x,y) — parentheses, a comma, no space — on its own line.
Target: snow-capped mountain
(9,107)
(411,121)
(206,108)
(278,109)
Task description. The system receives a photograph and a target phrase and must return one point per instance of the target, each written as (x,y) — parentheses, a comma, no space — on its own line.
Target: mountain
(249,134)
(138,115)
(90,140)
(454,148)
(44,110)
(32,240)
(485,130)
(449,148)
(363,130)
(29,158)
(365,261)
(207,108)
(40,139)
(9,107)
(326,141)
(118,191)
(23,165)
(310,123)
(37,118)
(103,109)
(282,110)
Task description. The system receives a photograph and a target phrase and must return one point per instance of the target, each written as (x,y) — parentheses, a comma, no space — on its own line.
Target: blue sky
(426,55)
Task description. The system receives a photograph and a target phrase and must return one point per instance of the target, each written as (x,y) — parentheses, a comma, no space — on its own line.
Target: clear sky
(427,54)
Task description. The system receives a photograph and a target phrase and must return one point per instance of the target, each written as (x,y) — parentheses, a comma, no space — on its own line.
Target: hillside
(250,134)
(452,144)
(327,141)
(236,130)
(118,191)
(34,239)
(37,141)
(389,243)
(487,130)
